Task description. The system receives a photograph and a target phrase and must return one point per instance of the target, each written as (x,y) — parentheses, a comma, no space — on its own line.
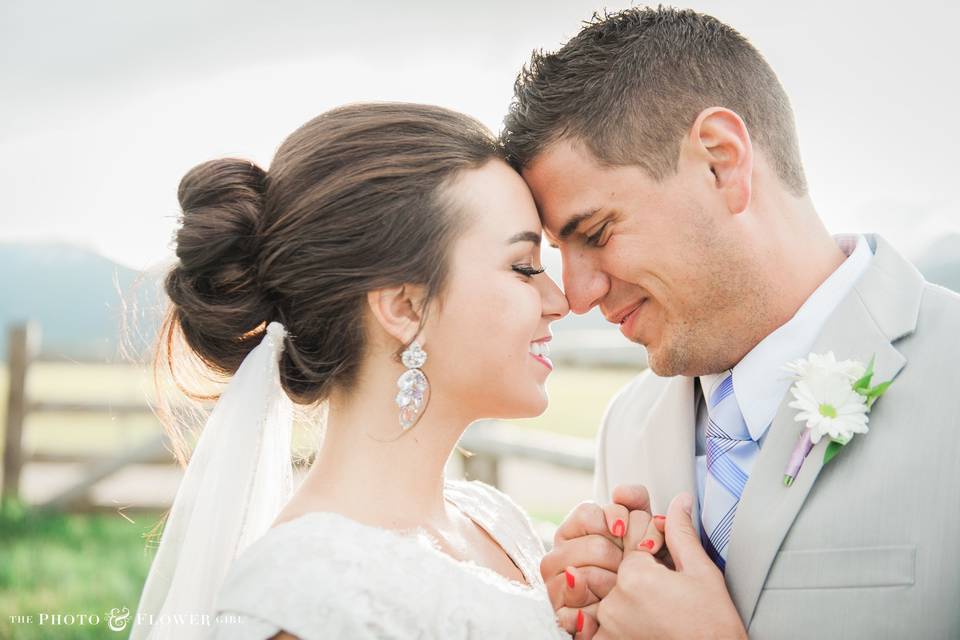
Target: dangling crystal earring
(414,387)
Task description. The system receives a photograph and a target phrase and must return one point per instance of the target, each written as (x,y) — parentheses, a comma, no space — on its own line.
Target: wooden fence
(486,445)
(23,342)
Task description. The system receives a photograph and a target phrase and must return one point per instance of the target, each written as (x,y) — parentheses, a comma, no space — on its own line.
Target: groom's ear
(398,310)
(720,139)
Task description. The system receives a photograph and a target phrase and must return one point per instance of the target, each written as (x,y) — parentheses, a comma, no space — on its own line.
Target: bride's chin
(537,405)
(520,401)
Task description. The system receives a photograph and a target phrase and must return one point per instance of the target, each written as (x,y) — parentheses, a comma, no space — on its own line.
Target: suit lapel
(881,308)
(666,444)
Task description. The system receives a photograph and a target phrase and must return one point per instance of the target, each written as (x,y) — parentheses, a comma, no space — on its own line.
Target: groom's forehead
(561,205)
(561,209)
(563,173)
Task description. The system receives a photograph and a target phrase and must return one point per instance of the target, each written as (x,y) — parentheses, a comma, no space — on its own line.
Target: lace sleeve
(323,575)
(503,517)
(313,582)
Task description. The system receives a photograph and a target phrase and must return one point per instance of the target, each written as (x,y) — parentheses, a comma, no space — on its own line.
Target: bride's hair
(354,201)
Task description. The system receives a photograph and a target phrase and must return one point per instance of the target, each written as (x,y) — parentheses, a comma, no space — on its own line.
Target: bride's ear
(398,310)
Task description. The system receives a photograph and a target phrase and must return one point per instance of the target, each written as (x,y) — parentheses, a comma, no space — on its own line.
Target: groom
(661,151)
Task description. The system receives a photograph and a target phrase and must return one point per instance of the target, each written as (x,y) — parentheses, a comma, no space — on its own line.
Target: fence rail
(483,446)
(491,441)
(113,408)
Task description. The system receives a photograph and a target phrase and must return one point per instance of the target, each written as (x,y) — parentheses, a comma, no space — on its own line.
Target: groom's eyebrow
(574,222)
(525,236)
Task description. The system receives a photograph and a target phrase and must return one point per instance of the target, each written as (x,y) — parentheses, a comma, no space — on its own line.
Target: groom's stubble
(725,311)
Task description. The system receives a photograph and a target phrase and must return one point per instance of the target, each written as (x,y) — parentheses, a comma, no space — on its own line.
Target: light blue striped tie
(730,456)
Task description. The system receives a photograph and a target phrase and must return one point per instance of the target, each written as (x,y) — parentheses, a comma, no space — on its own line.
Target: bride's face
(483,339)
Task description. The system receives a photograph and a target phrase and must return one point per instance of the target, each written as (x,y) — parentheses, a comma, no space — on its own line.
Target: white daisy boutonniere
(834,400)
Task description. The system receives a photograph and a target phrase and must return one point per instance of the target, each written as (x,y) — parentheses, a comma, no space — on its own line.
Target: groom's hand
(651,601)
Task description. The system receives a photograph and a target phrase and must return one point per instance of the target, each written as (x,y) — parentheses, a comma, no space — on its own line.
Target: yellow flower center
(828,411)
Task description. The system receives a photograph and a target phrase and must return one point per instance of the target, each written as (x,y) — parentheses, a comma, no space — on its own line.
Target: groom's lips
(621,316)
(626,317)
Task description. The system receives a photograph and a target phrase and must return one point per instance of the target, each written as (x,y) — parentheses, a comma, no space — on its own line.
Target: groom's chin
(665,362)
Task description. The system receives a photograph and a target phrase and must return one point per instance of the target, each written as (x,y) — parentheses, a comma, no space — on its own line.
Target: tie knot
(726,421)
(722,391)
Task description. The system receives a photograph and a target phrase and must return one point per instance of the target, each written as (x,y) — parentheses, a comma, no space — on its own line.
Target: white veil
(239,478)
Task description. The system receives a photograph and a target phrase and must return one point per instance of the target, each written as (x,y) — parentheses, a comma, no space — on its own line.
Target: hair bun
(222,202)
(215,287)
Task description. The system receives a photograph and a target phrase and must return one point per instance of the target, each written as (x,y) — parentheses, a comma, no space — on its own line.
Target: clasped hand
(616,571)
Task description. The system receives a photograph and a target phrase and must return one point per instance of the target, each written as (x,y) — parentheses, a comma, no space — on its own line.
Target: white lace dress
(323,575)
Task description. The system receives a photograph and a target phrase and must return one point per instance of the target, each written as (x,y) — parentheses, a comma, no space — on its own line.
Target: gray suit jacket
(868,546)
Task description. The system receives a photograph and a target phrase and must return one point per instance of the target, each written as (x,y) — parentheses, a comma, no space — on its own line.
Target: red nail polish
(619,528)
(571,581)
(660,518)
(579,620)
(646,544)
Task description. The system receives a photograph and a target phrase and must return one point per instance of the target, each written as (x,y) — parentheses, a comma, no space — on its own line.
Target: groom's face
(647,252)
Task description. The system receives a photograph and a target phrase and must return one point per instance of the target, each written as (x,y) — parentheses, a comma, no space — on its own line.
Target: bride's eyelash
(527,270)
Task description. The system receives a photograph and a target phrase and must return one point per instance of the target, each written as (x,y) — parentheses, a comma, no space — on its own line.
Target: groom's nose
(584,284)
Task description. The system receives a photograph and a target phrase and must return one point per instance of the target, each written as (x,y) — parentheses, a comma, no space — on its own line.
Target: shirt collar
(759,380)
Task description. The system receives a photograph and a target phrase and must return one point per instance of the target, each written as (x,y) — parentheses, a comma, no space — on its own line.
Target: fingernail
(618,528)
(579,620)
(686,502)
(646,544)
(659,518)
(570,579)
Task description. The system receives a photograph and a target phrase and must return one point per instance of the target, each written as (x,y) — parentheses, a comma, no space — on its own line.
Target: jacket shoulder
(632,400)
(639,394)
(937,323)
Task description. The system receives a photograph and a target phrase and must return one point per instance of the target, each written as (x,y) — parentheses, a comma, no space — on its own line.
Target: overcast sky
(105,105)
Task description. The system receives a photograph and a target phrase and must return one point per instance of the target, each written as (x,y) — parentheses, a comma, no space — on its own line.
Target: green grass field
(578,398)
(92,563)
(61,564)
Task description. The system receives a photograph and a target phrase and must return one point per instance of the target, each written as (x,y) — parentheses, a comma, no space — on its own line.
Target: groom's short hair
(630,86)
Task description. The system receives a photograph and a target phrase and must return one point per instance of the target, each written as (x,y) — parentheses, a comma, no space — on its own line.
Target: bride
(387,266)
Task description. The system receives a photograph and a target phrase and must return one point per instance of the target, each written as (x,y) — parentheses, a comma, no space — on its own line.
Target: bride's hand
(644,533)
(582,566)
(588,547)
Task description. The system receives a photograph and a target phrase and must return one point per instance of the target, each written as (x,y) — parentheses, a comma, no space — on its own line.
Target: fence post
(21,348)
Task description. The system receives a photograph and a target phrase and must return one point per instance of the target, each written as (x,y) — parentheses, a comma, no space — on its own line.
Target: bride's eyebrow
(525,236)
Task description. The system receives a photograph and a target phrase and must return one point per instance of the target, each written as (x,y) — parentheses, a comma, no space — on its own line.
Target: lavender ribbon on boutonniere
(834,399)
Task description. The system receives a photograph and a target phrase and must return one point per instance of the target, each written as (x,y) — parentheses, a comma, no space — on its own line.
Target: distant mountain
(86,305)
(82,301)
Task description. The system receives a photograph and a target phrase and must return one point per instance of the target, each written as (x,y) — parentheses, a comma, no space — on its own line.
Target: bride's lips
(544,358)
(627,324)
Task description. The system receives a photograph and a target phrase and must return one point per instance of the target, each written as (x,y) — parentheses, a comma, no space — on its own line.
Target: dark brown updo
(354,201)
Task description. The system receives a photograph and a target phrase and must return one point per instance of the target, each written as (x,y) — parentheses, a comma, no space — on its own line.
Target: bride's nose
(555,305)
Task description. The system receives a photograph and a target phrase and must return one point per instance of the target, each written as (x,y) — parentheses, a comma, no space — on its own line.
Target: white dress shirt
(759,380)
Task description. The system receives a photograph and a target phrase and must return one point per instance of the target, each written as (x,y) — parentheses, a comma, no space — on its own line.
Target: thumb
(682,538)
(634,497)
